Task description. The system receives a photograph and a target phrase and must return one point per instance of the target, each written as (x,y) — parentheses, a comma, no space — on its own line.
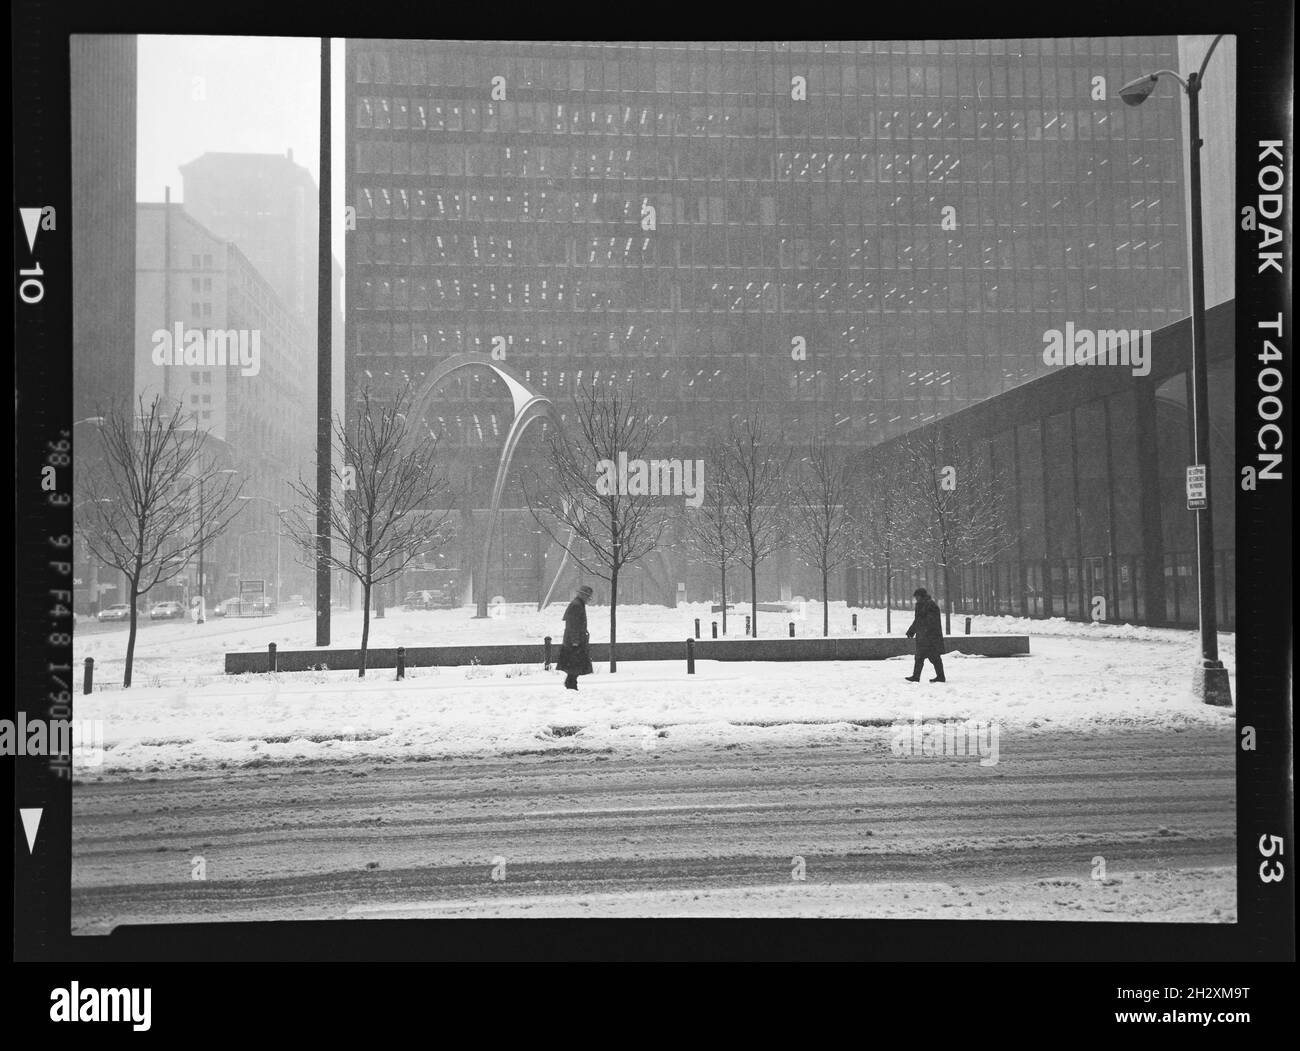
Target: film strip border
(42,802)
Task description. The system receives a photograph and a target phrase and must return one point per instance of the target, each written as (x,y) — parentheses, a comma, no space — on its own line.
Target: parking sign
(1197,497)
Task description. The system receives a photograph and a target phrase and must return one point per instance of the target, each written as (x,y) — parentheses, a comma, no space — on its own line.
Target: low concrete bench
(869,648)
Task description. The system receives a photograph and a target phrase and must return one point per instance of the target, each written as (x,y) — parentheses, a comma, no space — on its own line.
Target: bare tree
(823,531)
(602,527)
(756,463)
(881,517)
(385,501)
(712,530)
(154,499)
(959,515)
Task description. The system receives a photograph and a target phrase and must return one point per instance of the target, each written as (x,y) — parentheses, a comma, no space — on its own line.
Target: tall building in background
(102,91)
(857,239)
(267,205)
(259,414)
(103,86)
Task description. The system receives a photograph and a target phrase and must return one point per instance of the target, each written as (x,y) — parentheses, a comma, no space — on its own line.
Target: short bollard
(697,627)
(272,661)
(855,622)
(546,663)
(715,629)
(791,629)
(401,662)
(968,625)
(89,682)
(690,656)
(746,625)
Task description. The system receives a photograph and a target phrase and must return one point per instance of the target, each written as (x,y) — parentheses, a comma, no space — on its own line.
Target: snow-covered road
(1127,826)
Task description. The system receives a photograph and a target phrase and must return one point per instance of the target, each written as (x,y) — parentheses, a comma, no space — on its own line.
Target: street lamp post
(1210,679)
(203,599)
(279,530)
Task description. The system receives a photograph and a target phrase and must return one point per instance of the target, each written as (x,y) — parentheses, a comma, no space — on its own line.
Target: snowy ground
(1177,897)
(184,714)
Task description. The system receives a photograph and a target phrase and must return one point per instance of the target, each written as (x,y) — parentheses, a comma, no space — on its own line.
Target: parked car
(117,611)
(418,600)
(167,611)
(297,600)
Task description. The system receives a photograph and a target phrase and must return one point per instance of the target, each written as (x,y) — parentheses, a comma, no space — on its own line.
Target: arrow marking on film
(31,224)
(31,822)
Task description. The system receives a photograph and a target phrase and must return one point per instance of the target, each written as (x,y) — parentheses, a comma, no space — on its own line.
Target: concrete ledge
(867,648)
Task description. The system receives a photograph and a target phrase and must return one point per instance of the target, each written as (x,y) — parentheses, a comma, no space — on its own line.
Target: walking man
(927,628)
(574,658)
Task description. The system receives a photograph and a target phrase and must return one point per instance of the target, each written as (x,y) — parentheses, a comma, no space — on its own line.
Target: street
(1121,825)
(92,626)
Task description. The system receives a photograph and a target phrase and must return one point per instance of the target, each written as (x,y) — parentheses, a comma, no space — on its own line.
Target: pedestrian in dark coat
(575,658)
(927,628)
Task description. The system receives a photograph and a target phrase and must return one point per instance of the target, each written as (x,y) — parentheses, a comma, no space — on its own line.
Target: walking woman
(574,658)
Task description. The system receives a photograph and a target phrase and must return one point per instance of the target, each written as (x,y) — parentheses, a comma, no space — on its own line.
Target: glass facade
(858,238)
(1097,493)
(863,236)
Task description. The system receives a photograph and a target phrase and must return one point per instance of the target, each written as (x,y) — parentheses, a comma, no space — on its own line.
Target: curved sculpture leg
(536,408)
(555,580)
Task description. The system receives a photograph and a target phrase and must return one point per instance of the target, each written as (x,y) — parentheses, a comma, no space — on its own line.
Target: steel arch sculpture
(528,406)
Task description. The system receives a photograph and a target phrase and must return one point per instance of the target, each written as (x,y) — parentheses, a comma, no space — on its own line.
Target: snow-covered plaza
(183,713)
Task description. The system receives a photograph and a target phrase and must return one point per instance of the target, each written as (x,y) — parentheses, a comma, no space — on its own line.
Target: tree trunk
(826,606)
(889,593)
(724,601)
(753,599)
(130,638)
(379,601)
(613,618)
(947,601)
(365,627)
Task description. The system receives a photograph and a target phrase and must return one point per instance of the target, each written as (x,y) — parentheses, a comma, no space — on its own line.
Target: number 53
(1274,846)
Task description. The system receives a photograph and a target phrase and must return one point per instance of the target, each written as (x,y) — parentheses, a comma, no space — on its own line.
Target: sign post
(1197,498)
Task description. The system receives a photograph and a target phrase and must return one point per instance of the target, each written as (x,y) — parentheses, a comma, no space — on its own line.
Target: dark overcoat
(575,657)
(927,627)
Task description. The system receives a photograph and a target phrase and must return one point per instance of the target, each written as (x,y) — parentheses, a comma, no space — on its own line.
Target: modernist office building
(1093,458)
(855,238)
(1092,461)
(102,94)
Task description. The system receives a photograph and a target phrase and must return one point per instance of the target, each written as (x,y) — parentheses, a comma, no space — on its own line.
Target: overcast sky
(232,94)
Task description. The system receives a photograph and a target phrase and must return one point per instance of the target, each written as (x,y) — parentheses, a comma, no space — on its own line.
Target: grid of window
(914,214)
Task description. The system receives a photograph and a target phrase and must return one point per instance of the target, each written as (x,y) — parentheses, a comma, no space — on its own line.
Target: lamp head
(1135,92)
